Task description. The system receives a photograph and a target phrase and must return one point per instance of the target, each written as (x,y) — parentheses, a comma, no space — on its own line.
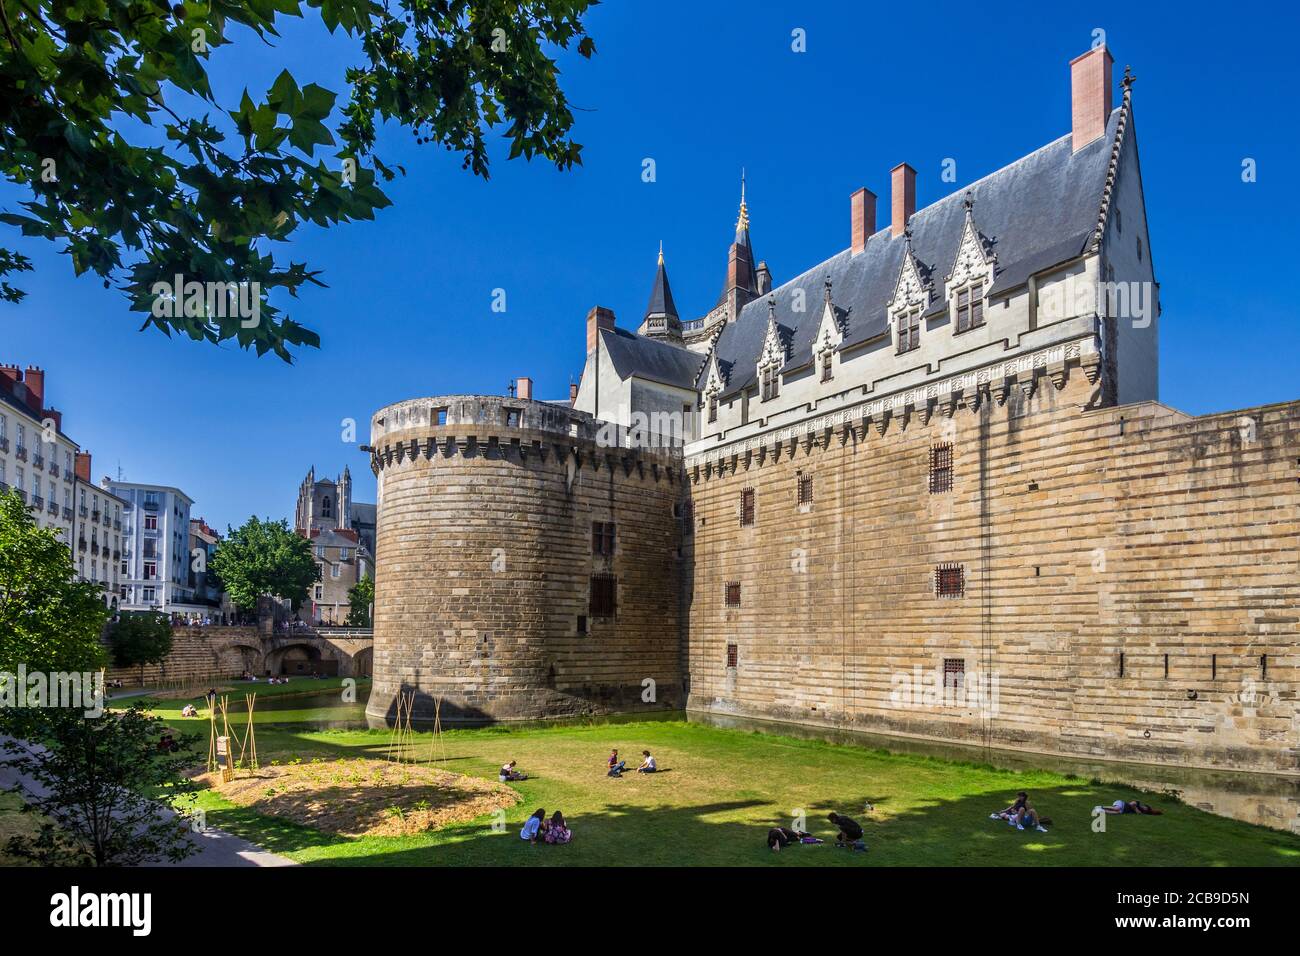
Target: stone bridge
(217,652)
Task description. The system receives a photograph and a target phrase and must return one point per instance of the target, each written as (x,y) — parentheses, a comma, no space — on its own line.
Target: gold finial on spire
(742,222)
(661,252)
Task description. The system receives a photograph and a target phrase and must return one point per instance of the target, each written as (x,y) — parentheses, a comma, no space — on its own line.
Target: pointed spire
(742,220)
(661,320)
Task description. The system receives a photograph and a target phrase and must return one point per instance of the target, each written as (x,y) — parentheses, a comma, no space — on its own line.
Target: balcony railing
(4,443)
(117,525)
(149,505)
(68,475)
(53,508)
(38,460)
(21,453)
(94,516)
(94,548)
(117,555)
(54,467)
(38,502)
(82,511)
(67,514)
(22,495)
(81,544)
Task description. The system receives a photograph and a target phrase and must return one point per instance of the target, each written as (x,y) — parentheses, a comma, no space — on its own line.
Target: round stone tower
(528,563)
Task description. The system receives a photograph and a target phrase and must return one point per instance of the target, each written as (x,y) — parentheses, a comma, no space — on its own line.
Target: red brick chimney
(524,388)
(56,416)
(82,466)
(35,382)
(11,372)
(902,202)
(863,219)
(1090,95)
(598,318)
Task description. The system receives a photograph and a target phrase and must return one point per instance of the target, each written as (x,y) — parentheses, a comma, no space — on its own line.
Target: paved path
(216,847)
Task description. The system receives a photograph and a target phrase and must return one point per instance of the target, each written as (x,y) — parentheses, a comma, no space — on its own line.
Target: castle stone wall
(485,558)
(1084,534)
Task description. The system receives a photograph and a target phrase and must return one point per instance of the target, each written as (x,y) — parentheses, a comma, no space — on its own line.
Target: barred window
(747,507)
(954,673)
(940,467)
(949,580)
(909,330)
(970,307)
(603,595)
(805,489)
(602,538)
(686,515)
(732,655)
(733,594)
(827,371)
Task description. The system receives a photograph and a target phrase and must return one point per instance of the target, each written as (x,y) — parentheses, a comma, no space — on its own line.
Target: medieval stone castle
(925,488)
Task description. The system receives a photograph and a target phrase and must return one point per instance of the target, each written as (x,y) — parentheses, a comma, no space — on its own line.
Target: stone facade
(1131,578)
(483,593)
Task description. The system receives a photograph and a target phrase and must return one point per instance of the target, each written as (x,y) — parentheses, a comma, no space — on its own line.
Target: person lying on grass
(779,837)
(648,764)
(615,765)
(508,772)
(534,827)
(557,831)
(1129,806)
(850,830)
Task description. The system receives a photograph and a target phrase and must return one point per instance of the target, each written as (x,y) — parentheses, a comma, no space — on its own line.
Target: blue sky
(703,91)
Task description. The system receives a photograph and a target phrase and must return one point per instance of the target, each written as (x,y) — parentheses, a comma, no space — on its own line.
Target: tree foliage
(265,557)
(49,621)
(360,597)
(139,638)
(82,82)
(100,777)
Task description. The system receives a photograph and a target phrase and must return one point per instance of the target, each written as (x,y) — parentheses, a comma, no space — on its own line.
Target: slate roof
(651,359)
(1039,211)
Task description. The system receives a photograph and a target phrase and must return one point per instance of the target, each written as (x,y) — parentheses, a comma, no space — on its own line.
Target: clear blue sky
(703,90)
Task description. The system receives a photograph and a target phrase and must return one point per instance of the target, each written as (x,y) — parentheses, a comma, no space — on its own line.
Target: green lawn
(722,789)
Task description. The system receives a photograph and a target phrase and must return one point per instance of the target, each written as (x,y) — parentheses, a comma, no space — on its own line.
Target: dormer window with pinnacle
(972,272)
(712,389)
(911,296)
(771,358)
(829,336)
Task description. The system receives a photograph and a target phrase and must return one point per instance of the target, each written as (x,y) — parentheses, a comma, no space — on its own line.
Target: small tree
(49,620)
(139,638)
(360,597)
(101,777)
(265,557)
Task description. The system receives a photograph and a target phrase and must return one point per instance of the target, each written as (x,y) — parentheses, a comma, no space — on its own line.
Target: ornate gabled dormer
(971,276)
(829,336)
(911,296)
(713,382)
(772,357)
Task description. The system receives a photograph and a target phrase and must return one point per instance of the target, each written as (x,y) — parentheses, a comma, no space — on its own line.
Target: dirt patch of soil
(363,797)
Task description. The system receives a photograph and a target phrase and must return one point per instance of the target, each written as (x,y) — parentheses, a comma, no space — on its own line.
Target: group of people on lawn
(556,830)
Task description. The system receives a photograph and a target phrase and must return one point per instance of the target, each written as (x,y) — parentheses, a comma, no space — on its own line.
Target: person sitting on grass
(648,764)
(189,710)
(508,772)
(1129,806)
(850,831)
(557,831)
(1022,814)
(534,827)
(615,765)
